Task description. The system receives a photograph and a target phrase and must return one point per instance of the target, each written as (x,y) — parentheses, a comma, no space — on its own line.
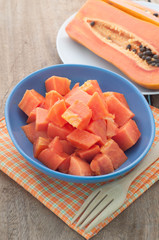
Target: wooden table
(28,30)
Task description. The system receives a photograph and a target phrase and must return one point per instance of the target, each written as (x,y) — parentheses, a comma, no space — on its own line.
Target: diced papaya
(77,94)
(56,145)
(31,133)
(67,147)
(92,86)
(30,101)
(99,110)
(32,116)
(52,97)
(101,164)
(82,139)
(56,111)
(39,145)
(121,112)
(64,166)
(127,135)
(78,115)
(54,130)
(52,159)
(79,167)
(41,119)
(98,127)
(38,95)
(88,154)
(119,96)
(114,152)
(59,84)
(112,128)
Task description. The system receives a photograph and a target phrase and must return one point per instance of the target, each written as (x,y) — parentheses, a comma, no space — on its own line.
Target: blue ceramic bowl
(108,81)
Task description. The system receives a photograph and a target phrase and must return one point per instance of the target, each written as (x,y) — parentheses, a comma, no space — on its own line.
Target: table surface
(28,30)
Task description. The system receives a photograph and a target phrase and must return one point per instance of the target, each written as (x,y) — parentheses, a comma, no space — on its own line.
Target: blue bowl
(108,81)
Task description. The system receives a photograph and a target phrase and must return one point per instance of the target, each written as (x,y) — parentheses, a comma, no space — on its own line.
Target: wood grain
(28,30)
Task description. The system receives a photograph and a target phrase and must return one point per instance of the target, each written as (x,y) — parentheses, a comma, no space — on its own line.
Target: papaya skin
(80,30)
(135,10)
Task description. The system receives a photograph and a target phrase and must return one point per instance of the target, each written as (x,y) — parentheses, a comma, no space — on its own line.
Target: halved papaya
(129,43)
(136,10)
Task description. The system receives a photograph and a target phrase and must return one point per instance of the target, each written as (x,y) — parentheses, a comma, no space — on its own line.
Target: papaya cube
(51,97)
(112,128)
(121,112)
(97,105)
(54,130)
(82,139)
(51,159)
(67,147)
(55,113)
(119,96)
(88,154)
(91,86)
(78,115)
(32,116)
(101,164)
(77,94)
(56,145)
(59,84)
(114,152)
(127,135)
(41,119)
(79,167)
(31,133)
(98,127)
(39,145)
(64,166)
(30,101)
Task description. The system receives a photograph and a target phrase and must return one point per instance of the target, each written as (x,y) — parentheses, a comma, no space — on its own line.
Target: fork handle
(152,155)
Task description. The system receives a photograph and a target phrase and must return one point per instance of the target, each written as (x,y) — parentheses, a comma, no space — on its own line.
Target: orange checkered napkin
(63,198)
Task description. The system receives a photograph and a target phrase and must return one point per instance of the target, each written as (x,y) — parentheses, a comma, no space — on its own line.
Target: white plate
(71,52)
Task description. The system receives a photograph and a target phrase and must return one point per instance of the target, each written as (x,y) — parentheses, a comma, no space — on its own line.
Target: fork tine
(103,215)
(105,201)
(93,204)
(85,204)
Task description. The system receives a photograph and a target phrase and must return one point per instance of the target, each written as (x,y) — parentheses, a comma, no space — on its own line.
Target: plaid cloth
(63,198)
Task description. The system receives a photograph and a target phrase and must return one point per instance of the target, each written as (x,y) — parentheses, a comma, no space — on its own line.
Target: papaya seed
(155,14)
(92,23)
(128,46)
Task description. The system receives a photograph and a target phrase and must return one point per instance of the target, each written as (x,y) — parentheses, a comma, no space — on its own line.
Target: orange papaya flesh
(77,94)
(82,139)
(39,145)
(78,115)
(112,128)
(114,152)
(98,128)
(54,130)
(122,114)
(88,154)
(64,166)
(56,111)
(30,101)
(67,147)
(41,119)
(119,96)
(97,105)
(127,135)
(31,133)
(136,10)
(32,116)
(114,36)
(52,97)
(79,167)
(101,164)
(59,84)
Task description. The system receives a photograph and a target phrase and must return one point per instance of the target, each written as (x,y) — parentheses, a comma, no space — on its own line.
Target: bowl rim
(69,177)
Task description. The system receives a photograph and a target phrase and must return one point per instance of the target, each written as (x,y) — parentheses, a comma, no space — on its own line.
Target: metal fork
(108,198)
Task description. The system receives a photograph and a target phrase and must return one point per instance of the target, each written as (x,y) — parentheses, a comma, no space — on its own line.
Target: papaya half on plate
(136,10)
(129,43)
